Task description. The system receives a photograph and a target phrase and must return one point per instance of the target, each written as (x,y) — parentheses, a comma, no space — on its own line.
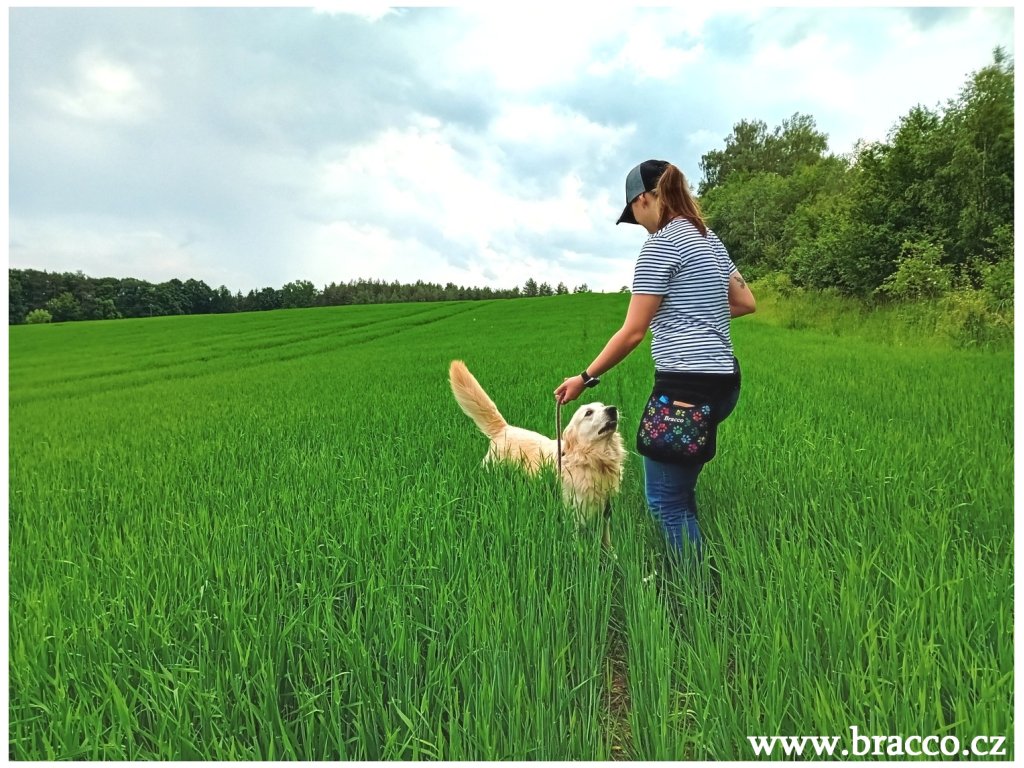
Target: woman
(685,289)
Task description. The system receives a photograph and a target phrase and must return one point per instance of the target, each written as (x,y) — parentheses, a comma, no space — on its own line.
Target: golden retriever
(593,454)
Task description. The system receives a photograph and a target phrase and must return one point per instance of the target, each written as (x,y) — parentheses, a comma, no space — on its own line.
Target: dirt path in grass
(620,735)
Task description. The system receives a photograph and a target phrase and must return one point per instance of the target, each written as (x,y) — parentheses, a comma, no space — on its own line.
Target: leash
(558,434)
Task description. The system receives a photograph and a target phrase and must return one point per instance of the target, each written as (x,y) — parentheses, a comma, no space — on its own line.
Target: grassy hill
(268,536)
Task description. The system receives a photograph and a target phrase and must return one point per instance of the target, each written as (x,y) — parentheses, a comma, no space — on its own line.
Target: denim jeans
(672,499)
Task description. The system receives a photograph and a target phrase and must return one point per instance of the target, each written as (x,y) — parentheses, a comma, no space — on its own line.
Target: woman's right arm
(741,300)
(642,308)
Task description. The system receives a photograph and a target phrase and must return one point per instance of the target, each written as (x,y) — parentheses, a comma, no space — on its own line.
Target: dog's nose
(612,411)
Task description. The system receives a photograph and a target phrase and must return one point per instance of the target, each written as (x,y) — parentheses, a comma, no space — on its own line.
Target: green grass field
(268,536)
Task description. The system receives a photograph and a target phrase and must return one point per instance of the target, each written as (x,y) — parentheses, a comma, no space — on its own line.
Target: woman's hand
(569,389)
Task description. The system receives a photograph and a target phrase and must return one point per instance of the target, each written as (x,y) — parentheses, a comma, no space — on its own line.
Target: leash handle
(558,434)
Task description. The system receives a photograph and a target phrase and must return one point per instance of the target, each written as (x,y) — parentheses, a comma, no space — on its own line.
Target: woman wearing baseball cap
(685,289)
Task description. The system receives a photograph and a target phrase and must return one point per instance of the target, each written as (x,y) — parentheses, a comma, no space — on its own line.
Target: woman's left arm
(741,300)
(642,308)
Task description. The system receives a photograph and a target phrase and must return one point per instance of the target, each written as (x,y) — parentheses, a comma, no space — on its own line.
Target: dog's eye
(588,412)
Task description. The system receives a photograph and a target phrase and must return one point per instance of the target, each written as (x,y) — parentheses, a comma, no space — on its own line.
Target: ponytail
(676,200)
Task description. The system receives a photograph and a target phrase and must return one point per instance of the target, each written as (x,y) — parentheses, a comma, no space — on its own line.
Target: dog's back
(520,446)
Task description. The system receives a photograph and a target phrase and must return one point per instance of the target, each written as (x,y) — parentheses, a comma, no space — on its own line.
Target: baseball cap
(642,178)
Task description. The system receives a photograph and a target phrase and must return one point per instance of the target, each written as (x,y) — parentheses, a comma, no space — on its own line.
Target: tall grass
(268,537)
(963,317)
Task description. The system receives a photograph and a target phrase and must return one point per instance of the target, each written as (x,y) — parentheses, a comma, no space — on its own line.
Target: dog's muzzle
(612,414)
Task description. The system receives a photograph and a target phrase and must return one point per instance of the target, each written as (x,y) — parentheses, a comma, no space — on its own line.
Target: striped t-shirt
(691,327)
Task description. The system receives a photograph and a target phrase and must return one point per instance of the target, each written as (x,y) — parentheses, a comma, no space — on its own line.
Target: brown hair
(676,200)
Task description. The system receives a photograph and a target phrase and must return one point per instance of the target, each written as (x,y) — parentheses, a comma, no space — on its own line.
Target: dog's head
(593,456)
(592,423)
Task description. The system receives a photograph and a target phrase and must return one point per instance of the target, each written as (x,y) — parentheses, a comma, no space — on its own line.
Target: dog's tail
(474,401)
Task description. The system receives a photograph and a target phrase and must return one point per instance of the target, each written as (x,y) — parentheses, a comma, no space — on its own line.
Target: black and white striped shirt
(691,327)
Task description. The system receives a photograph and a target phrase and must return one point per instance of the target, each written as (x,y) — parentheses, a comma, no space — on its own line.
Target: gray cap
(642,178)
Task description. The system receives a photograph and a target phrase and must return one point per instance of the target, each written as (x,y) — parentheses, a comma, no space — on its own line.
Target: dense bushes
(962,316)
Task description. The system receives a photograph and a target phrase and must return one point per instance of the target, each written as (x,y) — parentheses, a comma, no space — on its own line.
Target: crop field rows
(268,536)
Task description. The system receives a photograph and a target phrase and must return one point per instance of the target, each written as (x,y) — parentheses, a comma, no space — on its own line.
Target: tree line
(38,296)
(924,214)
(927,212)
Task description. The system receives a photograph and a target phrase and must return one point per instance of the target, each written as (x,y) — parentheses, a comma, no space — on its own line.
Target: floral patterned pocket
(676,432)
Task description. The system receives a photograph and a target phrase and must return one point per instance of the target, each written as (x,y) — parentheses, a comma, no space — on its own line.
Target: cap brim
(627,216)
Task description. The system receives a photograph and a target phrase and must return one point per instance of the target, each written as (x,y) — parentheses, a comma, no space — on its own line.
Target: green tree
(842,247)
(300,293)
(748,214)
(222,301)
(171,298)
(941,178)
(101,303)
(267,298)
(530,288)
(135,298)
(975,183)
(104,309)
(741,156)
(64,307)
(17,299)
(754,215)
(751,150)
(198,296)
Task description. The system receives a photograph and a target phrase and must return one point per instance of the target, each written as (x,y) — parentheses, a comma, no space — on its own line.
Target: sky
(255,146)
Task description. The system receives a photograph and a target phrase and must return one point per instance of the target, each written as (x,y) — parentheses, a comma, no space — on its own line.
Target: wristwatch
(590,381)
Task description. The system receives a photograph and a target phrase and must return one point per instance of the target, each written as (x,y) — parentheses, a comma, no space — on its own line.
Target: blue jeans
(672,499)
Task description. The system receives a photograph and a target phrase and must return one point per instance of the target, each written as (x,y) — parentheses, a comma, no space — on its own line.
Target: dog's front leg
(606,538)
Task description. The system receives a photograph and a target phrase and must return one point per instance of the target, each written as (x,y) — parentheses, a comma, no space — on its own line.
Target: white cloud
(365,9)
(702,138)
(342,251)
(413,206)
(490,140)
(546,124)
(468,197)
(852,89)
(546,131)
(646,52)
(102,90)
(111,248)
(521,49)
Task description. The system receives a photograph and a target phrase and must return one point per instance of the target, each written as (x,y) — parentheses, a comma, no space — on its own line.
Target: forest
(925,215)
(928,211)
